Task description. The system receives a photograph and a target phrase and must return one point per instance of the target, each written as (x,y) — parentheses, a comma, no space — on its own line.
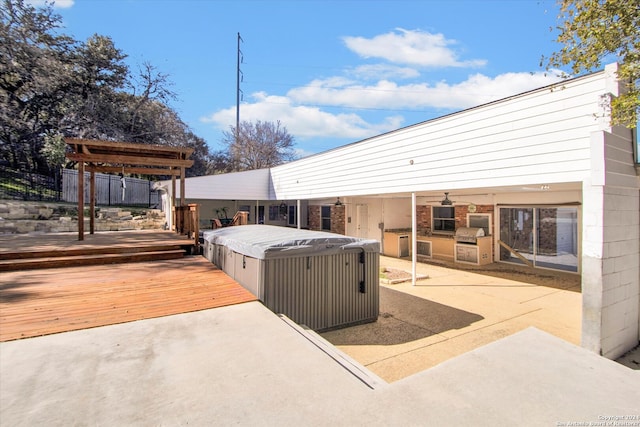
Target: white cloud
(371,99)
(59,4)
(302,121)
(384,94)
(411,47)
(300,110)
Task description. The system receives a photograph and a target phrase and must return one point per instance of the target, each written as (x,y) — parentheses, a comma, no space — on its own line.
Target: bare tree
(258,145)
(149,85)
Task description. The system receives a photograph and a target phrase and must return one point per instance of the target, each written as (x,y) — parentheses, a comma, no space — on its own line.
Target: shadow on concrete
(403,318)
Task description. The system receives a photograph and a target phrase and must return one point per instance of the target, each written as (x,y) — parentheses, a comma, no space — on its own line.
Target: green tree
(54,149)
(258,145)
(100,74)
(35,76)
(52,87)
(593,31)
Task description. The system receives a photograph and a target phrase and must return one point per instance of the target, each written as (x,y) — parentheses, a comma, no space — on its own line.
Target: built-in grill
(469,235)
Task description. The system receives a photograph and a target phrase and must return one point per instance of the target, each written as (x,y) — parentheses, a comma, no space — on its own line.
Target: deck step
(89,259)
(87,250)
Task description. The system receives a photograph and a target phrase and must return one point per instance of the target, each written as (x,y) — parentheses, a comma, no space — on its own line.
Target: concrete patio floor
(452,312)
(243,365)
(456,349)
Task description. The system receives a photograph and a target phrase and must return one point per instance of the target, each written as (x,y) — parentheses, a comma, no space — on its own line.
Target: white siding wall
(248,185)
(511,142)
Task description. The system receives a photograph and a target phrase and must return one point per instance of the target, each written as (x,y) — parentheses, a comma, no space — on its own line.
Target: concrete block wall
(610,270)
(621,271)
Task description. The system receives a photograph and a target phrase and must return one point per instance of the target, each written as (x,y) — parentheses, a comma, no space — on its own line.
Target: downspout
(414,239)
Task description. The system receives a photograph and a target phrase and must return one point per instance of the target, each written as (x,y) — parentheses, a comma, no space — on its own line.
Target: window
(274,212)
(444,219)
(544,237)
(292,218)
(480,221)
(278,212)
(325,215)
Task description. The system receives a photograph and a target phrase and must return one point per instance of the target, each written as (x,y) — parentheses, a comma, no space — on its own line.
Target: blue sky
(332,72)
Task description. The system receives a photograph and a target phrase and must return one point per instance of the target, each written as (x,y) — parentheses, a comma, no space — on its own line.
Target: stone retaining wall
(17,217)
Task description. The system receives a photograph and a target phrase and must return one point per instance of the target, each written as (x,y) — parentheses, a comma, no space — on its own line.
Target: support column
(92,202)
(414,239)
(610,250)
(81,200)
(182,186)
(173,202)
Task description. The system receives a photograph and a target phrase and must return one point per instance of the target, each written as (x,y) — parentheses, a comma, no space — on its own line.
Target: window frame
(325,219)
(451,229)
(487,230)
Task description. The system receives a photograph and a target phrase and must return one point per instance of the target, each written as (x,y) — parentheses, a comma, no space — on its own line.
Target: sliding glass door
(540,236)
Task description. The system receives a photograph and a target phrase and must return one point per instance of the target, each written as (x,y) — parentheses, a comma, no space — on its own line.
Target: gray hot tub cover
(269,241)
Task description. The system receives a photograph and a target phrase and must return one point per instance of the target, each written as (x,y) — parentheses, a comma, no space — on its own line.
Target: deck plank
(41,302)
(16,243)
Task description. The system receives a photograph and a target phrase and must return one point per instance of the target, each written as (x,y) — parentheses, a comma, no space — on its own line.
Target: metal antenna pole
(238,91)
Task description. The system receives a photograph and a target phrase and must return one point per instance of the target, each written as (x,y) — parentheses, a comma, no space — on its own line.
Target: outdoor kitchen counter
(398,244)
(442,246)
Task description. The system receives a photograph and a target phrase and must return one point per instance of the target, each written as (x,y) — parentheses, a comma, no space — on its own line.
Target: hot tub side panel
(248,271)
(324,292)
(349,301)
(245,270)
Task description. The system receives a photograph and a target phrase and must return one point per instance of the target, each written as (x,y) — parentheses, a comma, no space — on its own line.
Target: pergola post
(182,186)
(173,202)
(81,200)
(92,202)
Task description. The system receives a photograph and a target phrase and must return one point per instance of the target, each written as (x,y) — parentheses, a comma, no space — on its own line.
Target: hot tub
(319,280)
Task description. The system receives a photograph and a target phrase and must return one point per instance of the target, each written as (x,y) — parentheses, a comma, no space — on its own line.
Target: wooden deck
(47,301)
(23,252)
(31,243)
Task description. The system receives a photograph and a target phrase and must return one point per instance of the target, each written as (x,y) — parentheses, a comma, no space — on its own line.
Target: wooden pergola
(127,158)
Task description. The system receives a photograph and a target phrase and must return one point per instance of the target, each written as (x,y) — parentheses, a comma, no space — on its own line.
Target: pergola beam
(115,157)
(123,159)
(133,170)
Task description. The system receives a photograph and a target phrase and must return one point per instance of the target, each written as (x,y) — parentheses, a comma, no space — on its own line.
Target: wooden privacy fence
(109,190)
(188,221)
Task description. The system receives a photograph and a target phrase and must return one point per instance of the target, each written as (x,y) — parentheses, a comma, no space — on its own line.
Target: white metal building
(543,172)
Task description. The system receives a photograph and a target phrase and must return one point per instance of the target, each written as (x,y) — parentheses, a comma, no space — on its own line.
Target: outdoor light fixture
(338,202)
(446,201)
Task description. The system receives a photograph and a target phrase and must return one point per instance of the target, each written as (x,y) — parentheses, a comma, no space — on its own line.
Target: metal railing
(29,186)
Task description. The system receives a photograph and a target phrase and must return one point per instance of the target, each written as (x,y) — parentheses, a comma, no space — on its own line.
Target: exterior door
(542,237)
(517,233)
(362,221)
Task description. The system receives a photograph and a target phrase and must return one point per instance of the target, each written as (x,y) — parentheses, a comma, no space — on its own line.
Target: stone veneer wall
(17,217)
